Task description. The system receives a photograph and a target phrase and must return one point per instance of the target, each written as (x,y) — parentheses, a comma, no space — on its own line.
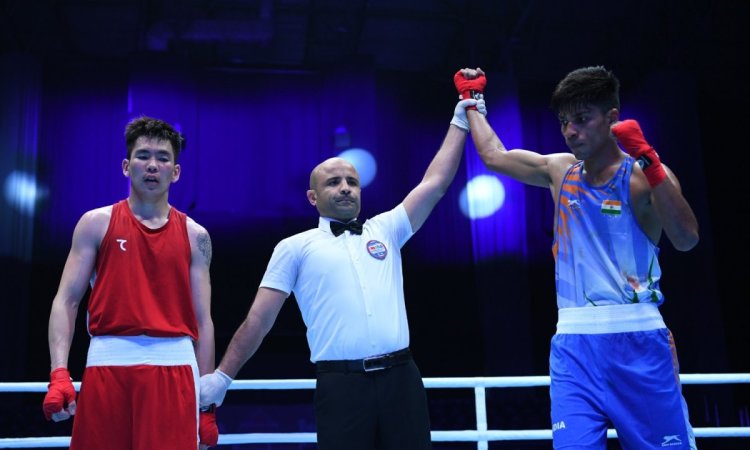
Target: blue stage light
(364,162)
(22,192)
(482,197)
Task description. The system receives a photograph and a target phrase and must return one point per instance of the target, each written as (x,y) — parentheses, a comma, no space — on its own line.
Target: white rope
(455,382)
(437,436)
(481,435)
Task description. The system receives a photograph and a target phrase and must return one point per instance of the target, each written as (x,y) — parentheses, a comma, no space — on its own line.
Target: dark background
(259,87)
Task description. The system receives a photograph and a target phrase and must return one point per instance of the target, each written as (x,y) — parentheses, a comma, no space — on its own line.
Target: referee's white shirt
(350,288)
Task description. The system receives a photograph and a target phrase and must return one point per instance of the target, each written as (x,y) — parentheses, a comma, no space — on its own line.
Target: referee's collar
(324,223)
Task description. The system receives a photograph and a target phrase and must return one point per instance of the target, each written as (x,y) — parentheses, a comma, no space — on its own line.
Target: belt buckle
(373,363)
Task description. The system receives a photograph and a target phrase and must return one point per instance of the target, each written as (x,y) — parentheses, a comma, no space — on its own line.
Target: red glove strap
(208,430)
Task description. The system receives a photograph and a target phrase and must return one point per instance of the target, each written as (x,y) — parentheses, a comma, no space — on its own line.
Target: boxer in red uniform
(148,312)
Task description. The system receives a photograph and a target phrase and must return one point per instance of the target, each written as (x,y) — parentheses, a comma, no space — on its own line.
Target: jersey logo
(122,243)
(377,249)
(558,426)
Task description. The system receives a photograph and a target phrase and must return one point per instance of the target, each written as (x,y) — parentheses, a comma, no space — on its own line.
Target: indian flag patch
(613,207)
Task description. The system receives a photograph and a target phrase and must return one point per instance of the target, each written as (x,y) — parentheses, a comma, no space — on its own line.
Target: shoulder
(92,226)
(303,237)
(559,164)
(95,219)
(392,217)
(198,236)
(200,241)
(195,229)
(302,242)
(561,161)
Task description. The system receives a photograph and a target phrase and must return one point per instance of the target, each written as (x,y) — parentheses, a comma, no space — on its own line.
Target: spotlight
(482,197)
(364,162)
(22,192)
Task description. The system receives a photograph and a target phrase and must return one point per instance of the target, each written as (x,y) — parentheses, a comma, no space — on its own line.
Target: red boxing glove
(60,401)
(629,134)
(469,88)
(207,429)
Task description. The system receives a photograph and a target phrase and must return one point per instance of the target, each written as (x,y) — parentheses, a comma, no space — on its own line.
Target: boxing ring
(481,434)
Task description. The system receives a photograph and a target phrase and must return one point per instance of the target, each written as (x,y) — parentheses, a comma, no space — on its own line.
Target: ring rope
(481,435)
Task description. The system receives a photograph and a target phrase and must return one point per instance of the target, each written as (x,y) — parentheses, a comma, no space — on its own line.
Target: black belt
(369,364)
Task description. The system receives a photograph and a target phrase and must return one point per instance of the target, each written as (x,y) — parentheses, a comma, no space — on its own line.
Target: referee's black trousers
(380,410)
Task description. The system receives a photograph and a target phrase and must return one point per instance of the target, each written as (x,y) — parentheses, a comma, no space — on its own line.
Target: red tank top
(142,283)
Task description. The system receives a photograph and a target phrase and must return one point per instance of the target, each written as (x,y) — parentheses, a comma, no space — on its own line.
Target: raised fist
(628,133)
(470,82)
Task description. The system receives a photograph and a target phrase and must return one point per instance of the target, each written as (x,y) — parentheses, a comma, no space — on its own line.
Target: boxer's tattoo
(204,246)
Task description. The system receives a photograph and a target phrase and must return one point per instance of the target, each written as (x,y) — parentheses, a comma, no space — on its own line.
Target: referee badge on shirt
(612,207)
(377,249)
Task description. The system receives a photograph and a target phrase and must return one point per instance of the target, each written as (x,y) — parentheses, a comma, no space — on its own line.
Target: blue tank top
(602,255)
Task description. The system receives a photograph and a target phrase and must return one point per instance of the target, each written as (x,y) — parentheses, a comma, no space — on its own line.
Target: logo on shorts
(377,249)
(122,243)
(670,441)
(558,426)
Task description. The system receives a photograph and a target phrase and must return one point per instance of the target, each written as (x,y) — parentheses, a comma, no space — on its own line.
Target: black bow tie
(337,227)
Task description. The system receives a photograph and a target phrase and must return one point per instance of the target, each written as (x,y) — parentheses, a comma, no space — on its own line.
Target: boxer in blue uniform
(613,360)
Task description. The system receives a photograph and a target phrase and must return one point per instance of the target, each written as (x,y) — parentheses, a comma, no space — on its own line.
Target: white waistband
(609,319)
(135,350)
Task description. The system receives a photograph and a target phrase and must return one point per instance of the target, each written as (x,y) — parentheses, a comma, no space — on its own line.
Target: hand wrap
(208,431)
(60,400)
(469,88)
(628,133)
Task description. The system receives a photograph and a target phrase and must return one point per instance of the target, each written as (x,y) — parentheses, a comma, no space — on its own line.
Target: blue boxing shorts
(616,366)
